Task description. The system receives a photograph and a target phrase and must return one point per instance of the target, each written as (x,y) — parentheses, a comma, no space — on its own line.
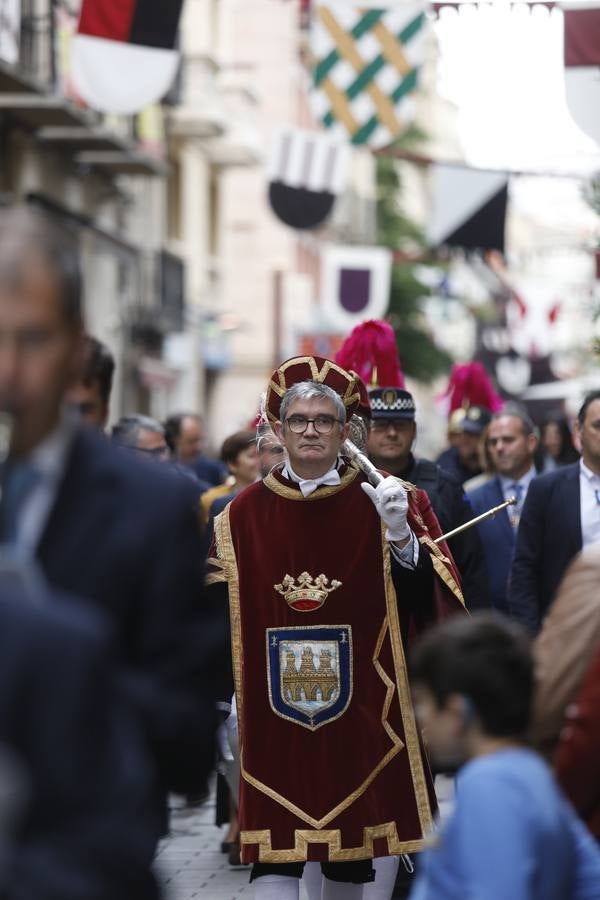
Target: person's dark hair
(568,451)
(589,398)
(98,366)
(233,445)
(486,658)
(28,234)
(172,427)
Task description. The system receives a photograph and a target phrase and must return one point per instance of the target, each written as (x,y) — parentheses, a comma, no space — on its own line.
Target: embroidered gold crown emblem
(307,594)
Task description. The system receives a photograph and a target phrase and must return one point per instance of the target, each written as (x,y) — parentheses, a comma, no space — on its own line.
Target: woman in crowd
(556,443)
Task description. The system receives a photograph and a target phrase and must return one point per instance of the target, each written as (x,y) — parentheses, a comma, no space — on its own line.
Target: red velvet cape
(358,784)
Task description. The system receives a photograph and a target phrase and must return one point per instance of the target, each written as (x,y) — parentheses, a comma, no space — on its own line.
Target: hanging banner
(306,171)
(582,61)
(366,67)
(123,53)
(355,284)
(468,207)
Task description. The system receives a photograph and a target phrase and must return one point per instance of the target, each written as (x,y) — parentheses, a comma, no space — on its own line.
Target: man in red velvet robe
(328,580)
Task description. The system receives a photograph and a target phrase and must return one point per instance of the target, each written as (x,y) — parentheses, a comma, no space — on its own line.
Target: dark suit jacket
(209,471)
(85,831)
(497,538)
(124,535)
(452,509)
(549,537)
(450,461)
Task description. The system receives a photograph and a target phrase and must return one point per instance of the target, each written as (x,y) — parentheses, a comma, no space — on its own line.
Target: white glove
(391,502)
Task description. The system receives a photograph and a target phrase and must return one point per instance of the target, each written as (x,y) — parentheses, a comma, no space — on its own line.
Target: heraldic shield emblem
(310,673)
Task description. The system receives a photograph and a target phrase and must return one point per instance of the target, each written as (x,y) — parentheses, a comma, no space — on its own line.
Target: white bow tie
(307,486)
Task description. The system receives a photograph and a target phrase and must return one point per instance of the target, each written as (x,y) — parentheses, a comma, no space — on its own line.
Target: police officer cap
(476,419)
(392,403)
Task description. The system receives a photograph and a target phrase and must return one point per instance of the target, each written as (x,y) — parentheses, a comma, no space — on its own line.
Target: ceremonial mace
(352,448)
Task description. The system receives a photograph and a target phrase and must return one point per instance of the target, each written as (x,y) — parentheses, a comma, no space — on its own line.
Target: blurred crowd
(116,674)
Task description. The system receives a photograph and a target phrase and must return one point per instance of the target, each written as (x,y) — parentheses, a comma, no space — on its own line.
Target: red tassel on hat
(370,351)
(470,385)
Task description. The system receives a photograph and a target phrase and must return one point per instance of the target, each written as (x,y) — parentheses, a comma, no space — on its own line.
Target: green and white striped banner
(366,65)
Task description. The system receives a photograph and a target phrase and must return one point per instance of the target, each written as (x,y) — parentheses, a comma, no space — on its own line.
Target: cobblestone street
(190,864)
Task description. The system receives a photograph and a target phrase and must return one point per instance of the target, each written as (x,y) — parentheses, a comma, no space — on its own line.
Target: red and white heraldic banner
(124,56)
(582,65)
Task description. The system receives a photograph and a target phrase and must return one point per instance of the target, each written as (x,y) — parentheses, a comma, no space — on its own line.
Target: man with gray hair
(328,579)
(103,529)
(511,442)
(142,434)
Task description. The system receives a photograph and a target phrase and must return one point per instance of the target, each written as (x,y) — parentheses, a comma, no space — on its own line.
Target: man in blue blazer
(561,516)
(79,825)
(115,532)
(512,442)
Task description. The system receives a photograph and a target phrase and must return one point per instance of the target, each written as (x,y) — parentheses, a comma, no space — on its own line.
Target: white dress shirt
(407,556)
(589,484)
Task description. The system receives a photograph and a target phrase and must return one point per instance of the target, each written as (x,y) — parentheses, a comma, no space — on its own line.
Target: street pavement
(190,864)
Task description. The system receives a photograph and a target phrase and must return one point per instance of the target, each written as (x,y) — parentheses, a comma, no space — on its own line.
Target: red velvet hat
(364,404)
(311,368)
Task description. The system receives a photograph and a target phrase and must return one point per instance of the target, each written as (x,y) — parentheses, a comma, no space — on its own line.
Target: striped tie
(515,490)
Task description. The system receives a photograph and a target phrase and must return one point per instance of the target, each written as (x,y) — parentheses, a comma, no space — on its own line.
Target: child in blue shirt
(512,835)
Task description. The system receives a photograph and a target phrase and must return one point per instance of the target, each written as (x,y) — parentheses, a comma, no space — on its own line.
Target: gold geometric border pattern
(391,688)
(332,837)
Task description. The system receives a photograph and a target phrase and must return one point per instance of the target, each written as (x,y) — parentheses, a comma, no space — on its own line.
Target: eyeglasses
(384,424)
(322,424)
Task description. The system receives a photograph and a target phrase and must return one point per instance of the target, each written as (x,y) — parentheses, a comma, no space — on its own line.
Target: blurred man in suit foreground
(83,830)
(100,527)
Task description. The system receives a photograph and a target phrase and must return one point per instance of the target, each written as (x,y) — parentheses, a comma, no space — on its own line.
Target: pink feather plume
(470,385)
(370,351)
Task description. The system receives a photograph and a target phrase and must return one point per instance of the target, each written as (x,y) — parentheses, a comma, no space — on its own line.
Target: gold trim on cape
(332,837)
(404,697)
(216,573)
(226,554)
